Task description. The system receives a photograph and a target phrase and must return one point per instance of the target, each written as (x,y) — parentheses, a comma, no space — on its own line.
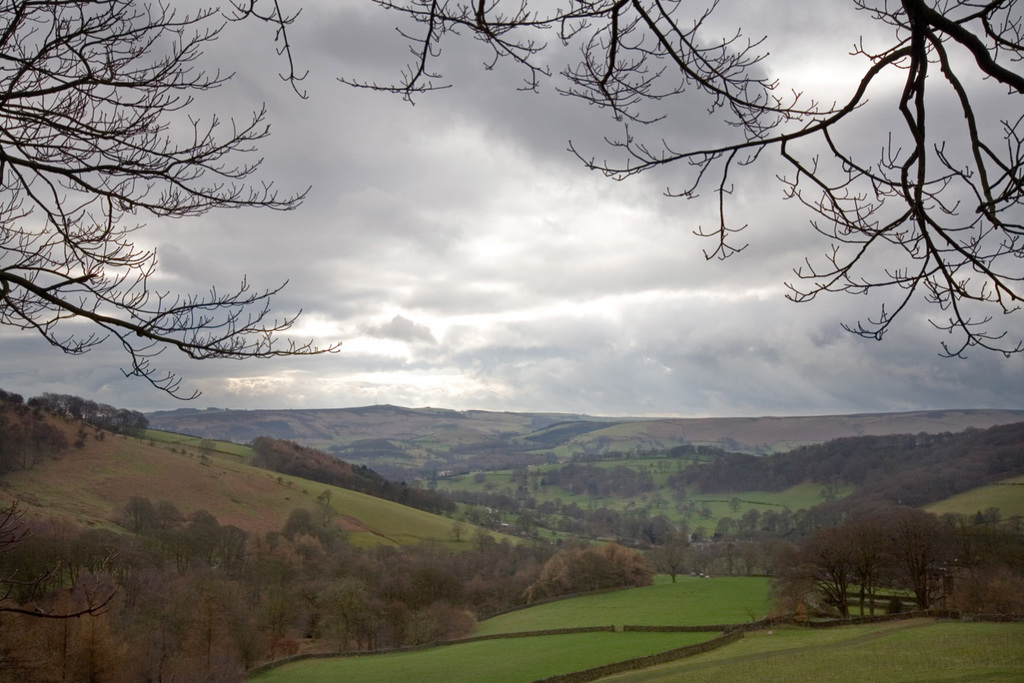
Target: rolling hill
(395,440)
(89,483)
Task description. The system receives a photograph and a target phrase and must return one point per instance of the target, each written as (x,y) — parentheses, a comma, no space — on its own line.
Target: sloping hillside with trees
(405,443)
(197,564)
(290,458)
(897,470)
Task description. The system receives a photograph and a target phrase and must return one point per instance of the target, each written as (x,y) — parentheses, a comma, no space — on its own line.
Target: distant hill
(393,439)
(909,469)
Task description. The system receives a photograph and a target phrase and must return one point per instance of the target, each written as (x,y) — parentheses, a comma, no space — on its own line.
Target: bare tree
(95,99)
(934,217)
(828,560)
(13,531)
(920,545)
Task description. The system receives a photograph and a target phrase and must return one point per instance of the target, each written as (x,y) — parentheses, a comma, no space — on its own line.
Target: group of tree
(590,569)
(891,558)
(44,427)
(288,457)
(116,420)
(899,469)
(635,527)
(178,596)
(949,561)
(27,436)
(600,482)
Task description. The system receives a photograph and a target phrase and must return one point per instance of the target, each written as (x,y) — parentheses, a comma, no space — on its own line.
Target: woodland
(166,592)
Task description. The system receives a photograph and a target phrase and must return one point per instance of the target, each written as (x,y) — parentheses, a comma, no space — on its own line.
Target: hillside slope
(89,483)
(394,439)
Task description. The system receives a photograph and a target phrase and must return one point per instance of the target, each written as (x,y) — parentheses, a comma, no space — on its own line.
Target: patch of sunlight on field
(511,660)
(902,652)
(1007,495)
(690,602)
(160,436)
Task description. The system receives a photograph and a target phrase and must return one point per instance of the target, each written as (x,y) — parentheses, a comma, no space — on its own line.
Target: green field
(660,501)
(690,602)
(913,650)
(198,443)
(1007,495)
(896,652)
(509,660)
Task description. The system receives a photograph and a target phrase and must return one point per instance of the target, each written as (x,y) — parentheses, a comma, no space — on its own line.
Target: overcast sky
(468,261)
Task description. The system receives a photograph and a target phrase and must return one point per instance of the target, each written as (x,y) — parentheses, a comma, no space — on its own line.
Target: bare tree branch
(942,215)
(88,93)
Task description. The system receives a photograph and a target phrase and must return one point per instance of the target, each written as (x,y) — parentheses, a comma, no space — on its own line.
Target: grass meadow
(909,651)
(689,602)
(512,660)
(659,501)
(198,443)
(1007,495)
(896,652)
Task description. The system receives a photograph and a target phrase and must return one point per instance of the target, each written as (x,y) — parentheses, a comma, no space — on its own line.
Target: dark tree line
(117,420)
(197,600)
(900,469)
(944,561)
(287,457)
(27,437)
(29,434)
(598,482)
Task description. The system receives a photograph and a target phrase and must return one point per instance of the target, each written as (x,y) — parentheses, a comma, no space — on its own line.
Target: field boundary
(730,633)
(554,598)
(262,668)
(645,662)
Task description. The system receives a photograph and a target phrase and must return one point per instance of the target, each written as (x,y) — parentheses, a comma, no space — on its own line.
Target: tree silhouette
(97,104)
(928,213)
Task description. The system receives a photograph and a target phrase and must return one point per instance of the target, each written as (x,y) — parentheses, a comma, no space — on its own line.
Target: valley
(275,549)
(418,442)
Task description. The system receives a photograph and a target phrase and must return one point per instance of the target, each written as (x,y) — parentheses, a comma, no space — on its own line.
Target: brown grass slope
(87,484)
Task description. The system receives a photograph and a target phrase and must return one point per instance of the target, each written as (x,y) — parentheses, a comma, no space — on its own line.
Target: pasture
(904,651)
(659,501)
(895,652)
(200,444)
(689,602)
(510,660)
(1007,495)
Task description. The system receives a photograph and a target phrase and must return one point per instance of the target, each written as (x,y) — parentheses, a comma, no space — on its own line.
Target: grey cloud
(468,261)
(401,329)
